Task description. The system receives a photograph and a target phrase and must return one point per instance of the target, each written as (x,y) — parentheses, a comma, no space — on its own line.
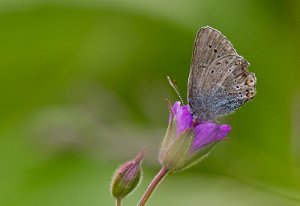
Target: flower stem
(118,202)
(160,175)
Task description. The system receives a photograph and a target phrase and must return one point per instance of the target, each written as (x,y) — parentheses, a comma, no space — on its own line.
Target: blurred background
(83,88)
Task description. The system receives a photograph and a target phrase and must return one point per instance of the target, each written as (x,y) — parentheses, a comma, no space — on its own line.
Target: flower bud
(127,177)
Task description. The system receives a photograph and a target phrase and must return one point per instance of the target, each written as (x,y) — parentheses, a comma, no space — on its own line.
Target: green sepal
(169,138)
(196,157)
(121,187)
(177,153)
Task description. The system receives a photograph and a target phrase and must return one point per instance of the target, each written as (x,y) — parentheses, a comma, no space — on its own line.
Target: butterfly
(219,81)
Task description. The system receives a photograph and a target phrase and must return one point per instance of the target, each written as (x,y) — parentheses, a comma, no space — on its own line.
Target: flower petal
(206,133)
(184,119)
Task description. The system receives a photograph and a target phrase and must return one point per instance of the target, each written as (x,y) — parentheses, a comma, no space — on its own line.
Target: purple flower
(204,133)
(187,140)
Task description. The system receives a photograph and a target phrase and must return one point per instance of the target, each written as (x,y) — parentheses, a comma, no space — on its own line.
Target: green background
(83,88)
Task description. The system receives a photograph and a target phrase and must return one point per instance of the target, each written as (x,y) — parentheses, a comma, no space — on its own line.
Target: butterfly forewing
(219,81)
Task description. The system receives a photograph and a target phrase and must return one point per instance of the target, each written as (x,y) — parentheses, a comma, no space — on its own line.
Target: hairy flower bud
(127,177)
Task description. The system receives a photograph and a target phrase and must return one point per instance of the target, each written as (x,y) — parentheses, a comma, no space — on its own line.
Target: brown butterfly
(219,80)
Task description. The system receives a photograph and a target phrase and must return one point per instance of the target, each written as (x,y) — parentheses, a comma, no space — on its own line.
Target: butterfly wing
(219,81)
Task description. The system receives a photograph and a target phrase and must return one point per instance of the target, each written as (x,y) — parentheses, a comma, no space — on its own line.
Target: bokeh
(83,88)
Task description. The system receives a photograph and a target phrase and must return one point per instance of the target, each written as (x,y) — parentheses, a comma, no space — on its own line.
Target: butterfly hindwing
(219,81)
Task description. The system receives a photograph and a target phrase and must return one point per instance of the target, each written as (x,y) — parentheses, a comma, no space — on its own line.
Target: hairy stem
(160,175)
(118,202)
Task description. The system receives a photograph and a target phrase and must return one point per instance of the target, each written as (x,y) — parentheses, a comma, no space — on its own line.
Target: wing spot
(212,71)
(215,50)
(218,63)
(210,46)
(226,62)
(244,64)
(249,82)
(218,56)
(250,94)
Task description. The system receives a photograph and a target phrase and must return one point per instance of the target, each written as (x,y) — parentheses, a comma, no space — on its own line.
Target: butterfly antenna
(173,84)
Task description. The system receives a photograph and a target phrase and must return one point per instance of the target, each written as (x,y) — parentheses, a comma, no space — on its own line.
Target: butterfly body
(219,80)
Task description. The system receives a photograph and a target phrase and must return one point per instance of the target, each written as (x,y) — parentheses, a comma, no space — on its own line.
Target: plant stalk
(118,202)
(160,175)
